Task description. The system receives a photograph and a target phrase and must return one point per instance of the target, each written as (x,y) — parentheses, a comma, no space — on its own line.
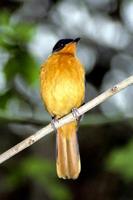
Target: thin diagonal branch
(48,129)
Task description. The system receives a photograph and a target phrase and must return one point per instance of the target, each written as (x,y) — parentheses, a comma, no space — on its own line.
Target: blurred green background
(28,32)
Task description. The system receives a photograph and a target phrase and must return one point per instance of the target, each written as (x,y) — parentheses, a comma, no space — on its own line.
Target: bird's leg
(76,113)
(54,122)
(81,116)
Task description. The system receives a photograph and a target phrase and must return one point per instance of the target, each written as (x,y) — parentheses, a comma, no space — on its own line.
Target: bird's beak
(76,40)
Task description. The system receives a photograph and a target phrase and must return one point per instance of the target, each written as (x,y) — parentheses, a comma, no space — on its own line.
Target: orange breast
(62,84)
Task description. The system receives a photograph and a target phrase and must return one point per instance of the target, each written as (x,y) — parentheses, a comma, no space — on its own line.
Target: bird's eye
(61,44)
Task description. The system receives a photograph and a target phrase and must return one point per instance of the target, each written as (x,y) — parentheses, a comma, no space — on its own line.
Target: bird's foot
(75,113)
(54,123)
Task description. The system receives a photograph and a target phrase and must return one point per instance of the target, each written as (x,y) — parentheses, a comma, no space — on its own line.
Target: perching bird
(62,81)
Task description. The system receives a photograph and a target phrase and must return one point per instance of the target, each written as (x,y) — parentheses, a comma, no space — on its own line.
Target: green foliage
(23,32)
(41,171)
(14,39)
(4,98)
(24,64)
(14,32)
(121,161)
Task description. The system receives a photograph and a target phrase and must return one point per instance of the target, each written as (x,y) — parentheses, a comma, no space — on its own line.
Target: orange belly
(62,84)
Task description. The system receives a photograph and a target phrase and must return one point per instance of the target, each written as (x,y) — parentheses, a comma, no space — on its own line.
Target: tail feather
(68,158)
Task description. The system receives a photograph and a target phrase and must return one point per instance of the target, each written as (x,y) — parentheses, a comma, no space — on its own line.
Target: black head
(61,43)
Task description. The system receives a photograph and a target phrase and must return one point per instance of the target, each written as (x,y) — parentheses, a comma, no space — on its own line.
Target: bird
(62,88)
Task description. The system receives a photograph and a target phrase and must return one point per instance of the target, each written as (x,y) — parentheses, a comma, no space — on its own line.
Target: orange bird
(62,80)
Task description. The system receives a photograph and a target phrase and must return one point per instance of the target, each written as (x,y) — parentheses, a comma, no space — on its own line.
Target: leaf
(33,166)
(121,161)
(43,172)
(4,99)
(28,68)
(4,18)
(11,69)
(23,64)
(14,32)
(23,32)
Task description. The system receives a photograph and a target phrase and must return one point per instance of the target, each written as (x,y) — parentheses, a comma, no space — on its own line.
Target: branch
(68,118)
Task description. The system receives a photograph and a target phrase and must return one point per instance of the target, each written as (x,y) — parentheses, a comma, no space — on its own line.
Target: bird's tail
(68,158)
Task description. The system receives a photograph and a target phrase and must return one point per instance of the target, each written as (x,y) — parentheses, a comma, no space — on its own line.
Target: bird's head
(66,46)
